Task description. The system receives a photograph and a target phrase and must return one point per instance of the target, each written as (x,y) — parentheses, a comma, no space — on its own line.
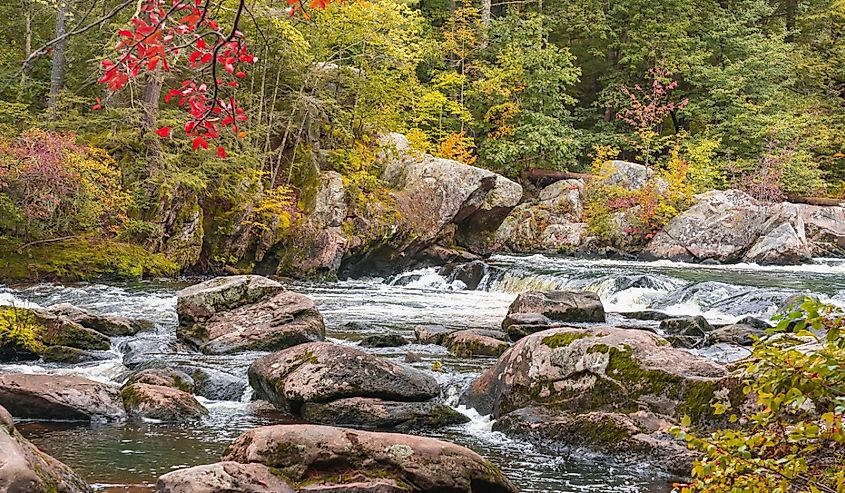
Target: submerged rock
(384,340)
(432,334)
(309,454)
(65,397)
(244,313)
(740,334)
(25,469)
(367,412)
(145,401)
(686,332)
(223,477)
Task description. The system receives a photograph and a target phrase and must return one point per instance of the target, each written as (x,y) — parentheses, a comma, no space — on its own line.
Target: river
(130,456)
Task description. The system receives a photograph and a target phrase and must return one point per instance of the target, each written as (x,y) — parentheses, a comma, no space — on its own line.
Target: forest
(746,94)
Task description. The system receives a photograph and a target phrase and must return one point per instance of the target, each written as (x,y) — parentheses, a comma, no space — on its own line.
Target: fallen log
(821,201)
(541,176)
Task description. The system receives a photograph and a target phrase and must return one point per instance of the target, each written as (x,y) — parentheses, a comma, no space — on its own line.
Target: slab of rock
(71,355)
(145,401)
(425,465)
(366,412)
(322,372)
(432,334)
(561,306)
(596,369)
(740,334)
(646,315)
(65,397)
(25,469)
(688,332)
(108,325)
(223,477)
(164,377)
(48,329)
(467,343)
(200,302)
(384,340)
(281,321)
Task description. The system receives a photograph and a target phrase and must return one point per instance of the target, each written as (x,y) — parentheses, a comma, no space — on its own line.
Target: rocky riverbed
(164,395)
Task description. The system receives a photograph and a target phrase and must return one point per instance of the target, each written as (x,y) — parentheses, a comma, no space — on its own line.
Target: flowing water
(129,456)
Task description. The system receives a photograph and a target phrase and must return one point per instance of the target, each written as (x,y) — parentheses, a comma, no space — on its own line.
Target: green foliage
(793,436)
(19,331)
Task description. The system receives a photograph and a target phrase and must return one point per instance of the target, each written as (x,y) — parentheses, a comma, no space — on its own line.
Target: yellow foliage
(602,154)
(274,211)
(457,146)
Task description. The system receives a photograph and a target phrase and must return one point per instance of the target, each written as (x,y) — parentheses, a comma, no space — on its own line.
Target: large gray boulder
(367,412)
(825,229)
(223,477)
(309,454)
(198,303)
(244,313)
(25,469)
(64,397)
(628,175)
(323,372)
(556,306)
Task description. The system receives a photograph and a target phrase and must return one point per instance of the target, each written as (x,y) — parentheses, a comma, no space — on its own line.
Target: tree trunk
(27,39)
(57,76)
(485,21)
(149,116)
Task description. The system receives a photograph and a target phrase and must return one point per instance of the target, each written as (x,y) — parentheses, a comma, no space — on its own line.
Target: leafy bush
(790,433)
(52,186)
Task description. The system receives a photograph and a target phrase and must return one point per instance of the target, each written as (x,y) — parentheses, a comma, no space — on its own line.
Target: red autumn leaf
(240,75)
(97,106)
(199,142)
(163,132)
(221,152)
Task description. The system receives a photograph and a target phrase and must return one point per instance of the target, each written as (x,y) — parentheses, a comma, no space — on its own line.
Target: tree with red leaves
(167,32)
(649,108)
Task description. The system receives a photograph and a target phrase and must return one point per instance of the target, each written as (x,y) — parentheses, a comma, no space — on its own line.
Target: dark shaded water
(129,456)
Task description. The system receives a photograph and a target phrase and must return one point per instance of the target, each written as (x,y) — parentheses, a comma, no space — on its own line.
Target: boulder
(519,325)
(278,322)
(686,332)
(25,469)
(145,401)
(646,315)
(562,306)
(628,175)
(322,372)
(305,453)
(164,377)
(432,334)
(720,226)
(740,334)
(754,322)
(824,228)
(541,228)
(604,389)
(37,329)
(65,397)
(198,303)
(367,412)
(470,274)
(467,343)
(71,355)
(596,369)
(782,238)
(108,325)
(384,340)
(223,477)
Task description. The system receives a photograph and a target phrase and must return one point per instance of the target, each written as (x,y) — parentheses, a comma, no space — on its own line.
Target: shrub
(793,438)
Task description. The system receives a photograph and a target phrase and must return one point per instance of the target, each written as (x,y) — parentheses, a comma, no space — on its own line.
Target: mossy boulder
(108,325)
(329,456)
(469,343)
(198,303)
(26,334)
(26,469)
(145,401)
(596,369)
(606,389)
